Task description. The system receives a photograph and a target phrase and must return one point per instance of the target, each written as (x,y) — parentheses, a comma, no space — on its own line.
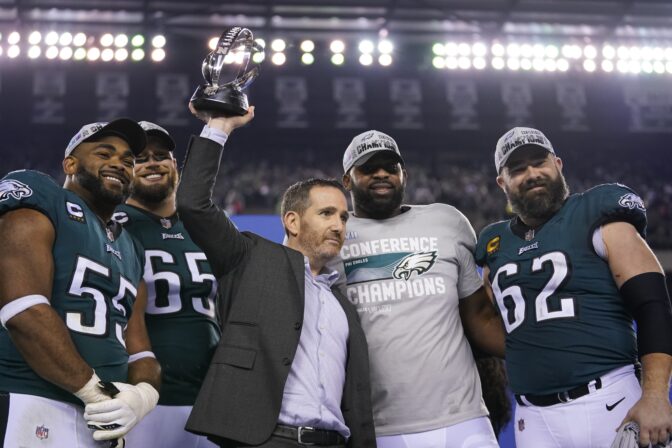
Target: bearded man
(410,272)
(569,274)
(181,294)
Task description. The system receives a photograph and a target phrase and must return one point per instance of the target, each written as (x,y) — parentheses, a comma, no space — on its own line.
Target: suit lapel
(299,269)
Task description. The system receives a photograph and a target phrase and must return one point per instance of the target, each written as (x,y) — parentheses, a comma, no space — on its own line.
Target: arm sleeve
(469,281)
(207,224)
(31,189)
(616,202)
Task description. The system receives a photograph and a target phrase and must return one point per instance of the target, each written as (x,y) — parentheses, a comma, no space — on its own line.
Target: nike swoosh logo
(609,408)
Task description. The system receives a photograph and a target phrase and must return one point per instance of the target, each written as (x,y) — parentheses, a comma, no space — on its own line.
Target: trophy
(232,55)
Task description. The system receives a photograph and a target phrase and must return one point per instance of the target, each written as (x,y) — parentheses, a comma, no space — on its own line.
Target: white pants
(36,422)
(163,427)
(585,422)
(475,433)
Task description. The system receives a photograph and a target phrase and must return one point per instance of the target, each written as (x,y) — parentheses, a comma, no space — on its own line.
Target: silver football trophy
(232,55)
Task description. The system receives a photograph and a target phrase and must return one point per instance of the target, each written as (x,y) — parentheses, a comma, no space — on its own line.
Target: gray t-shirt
(406,275)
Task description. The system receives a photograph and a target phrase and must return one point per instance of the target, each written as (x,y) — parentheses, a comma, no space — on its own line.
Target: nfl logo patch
(110,235)
(165,222)
(42,432)
(521,425)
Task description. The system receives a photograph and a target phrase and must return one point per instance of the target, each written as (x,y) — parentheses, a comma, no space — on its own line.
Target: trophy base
(223,100)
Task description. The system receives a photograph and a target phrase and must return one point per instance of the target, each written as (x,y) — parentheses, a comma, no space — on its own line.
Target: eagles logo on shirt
(11,188)
(419,262)
(631,201)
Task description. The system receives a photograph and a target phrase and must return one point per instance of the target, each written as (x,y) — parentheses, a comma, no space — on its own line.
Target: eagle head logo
(419,262)
(11,188)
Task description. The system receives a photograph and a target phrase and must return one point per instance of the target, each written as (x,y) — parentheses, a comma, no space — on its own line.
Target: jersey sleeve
(31,189)
(488,243)
(615,202)
(468,280)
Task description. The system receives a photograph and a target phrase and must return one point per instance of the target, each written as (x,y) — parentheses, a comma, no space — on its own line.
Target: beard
(155,193)
(312,242)
(377,207)
(542,204)
(94,184)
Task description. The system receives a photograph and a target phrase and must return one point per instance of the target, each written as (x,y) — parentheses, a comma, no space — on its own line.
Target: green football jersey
(181,294)
(97,270)
(565,320)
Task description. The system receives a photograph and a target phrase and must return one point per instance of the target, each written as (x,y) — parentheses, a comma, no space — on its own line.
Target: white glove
(91,392)
(114,418)
(628,437)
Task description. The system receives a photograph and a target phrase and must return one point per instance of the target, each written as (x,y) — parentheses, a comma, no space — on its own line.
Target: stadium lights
(93,54)
(51,38)
(138,40)
(385,59)
(337,59)
(106,40)
(51,53)
(366,59)
(79,40)
(107,54)
(385,47)
(307,58)
(158,54)
(34,52)
(366,47)
(80,54)
(278,45)
(278,58)
(337,46)
(65,39)
(35,38)
(212,43)
(65,53)
(138,54)
(121,54)
(13,51)
(159,41)
(307,46)
(13,38)
(120,40)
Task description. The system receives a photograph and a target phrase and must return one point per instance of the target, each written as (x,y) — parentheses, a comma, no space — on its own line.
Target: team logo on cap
(419,262)
(11,188)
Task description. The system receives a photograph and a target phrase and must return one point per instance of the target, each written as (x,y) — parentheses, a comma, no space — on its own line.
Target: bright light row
(550,65)
(80,54)
(53,38)
(543,51)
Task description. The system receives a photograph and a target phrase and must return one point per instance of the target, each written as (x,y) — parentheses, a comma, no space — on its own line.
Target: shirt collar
(325,276)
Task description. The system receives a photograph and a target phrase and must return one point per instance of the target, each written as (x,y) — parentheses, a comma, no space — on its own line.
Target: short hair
(296,196)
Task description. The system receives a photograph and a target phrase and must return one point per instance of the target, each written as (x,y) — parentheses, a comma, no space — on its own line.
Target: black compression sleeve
(648,301)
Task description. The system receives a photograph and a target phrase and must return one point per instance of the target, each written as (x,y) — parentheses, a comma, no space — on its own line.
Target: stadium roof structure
(598,18)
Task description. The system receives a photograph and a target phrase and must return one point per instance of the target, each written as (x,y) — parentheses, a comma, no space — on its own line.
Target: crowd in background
(255,187)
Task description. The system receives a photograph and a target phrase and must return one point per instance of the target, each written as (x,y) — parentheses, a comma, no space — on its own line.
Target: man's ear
(292,222)
(500,182)
(70,165)
(347,181)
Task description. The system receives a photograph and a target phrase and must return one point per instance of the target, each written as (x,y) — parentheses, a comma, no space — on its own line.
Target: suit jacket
(261,309)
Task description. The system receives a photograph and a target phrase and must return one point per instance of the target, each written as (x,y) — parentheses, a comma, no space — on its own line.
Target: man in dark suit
(291,368)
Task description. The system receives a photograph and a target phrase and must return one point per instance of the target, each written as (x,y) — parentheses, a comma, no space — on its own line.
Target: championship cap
(156,130)
(516,138)
(365,145)
(125,128)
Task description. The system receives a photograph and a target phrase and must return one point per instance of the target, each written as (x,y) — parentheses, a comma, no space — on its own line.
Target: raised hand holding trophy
(234,51)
